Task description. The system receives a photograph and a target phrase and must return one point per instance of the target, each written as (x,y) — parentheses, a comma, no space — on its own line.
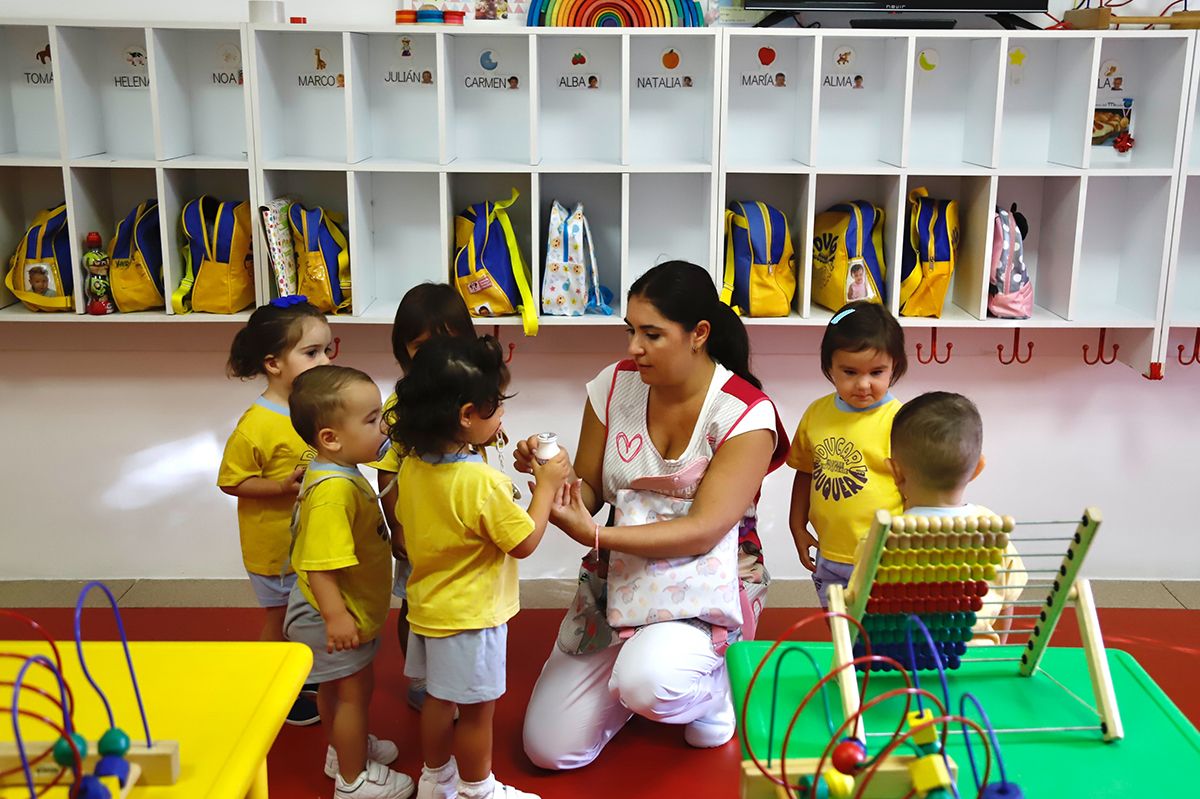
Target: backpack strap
(600,305)
(341,280)
(294,527)
(41,243)
(195,235)
(147,240)
(730,267)
(529,317)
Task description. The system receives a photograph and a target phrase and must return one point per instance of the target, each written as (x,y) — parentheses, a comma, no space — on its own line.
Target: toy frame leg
(843,653)
(1097,659)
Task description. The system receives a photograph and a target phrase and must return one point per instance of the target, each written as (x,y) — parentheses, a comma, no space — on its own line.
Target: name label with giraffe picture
(321,77)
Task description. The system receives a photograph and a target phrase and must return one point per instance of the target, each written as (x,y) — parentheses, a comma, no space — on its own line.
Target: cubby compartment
(1184,309)
(579,92)
(1151,74)
(600,194)
(100,198)
(671,100)
(28,190)
(471,188)
(770,103)
(488,100)
(1053,207)
(199,87)
(394,89)
(886,192)
(953,118)
(105,93)
(670,219)
(1048,85)
(400,237)
(967,295)
(300,95)
(312,189)
(791,195)
(28,119)
(1126,225)
(179,187)
(864,82)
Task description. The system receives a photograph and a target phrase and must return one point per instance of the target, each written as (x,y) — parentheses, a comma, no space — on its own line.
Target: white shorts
(468,667)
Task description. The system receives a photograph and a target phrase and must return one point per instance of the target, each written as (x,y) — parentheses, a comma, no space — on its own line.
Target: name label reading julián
(419,77)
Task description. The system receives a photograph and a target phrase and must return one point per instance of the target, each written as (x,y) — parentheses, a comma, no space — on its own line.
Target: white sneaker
(376,782)
(380,751)
(441,783)
(715,729)
(467,790)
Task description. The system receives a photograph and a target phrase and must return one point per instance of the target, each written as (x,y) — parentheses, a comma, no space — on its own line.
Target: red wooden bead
(848,754)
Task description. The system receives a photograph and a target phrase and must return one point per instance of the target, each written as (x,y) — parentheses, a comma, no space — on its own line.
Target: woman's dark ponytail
(729,344)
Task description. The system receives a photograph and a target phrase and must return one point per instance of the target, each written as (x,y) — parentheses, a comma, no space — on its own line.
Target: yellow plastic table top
(224,703)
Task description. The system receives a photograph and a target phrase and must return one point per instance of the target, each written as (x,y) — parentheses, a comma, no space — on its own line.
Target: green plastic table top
(1160,752)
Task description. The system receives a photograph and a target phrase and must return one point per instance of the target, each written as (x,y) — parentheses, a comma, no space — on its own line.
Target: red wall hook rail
(933,356)
(1100,351)
(1195,356)
(337,348)
(1016,350)
(511,346)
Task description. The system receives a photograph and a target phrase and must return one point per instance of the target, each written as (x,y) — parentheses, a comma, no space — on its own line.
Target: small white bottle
(547,447)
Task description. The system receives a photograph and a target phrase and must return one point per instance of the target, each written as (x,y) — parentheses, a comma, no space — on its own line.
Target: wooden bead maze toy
(72,766)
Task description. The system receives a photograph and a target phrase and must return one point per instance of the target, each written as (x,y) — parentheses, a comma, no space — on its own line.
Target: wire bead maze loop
(128,657)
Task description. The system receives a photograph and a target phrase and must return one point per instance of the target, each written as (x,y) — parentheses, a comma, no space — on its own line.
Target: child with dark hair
(343,562)
(460,526)
(841,447)
(937,450)
(426,310)
(264,459)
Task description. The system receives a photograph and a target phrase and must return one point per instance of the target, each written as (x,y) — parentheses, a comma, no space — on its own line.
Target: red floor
(645,759)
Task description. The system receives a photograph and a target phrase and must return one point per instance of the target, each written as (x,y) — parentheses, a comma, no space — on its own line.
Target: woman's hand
(571,515)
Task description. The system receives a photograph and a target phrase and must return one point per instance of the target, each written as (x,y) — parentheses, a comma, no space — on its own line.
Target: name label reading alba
(39,78)
(131,81)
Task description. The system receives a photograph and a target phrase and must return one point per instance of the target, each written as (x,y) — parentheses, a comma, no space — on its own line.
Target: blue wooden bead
(113,766)
(1002,790)
(91,788)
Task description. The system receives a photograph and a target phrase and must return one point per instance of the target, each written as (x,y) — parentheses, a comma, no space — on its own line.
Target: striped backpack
(929,258)
(40,273)
(848,263)
(760,264)
(135,254)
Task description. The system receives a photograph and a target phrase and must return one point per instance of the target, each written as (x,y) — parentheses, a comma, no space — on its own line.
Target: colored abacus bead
(841,786)
(113,766)
(91,787)
(63,755)
(113,742)
(848,755)
(1001,790)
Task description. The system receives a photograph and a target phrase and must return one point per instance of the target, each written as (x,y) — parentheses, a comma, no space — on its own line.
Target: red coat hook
(1100,351)
(933,356)
(1195,356)
(511,346)
(1016,350)
(337,347)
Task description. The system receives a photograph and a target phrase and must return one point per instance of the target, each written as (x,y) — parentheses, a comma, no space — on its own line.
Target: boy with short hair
(343,562)
(937,450)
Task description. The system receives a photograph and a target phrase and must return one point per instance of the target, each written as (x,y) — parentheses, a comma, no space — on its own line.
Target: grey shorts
(400,581)
(467,668)
(272,591)
(828,572)
(303,624)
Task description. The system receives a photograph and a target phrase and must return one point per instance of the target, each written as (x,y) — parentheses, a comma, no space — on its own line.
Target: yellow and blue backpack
(848,263)
(760,264)
(135,254)
(488,269)
(218,258)
(929,258)
(322,258)
(40,273)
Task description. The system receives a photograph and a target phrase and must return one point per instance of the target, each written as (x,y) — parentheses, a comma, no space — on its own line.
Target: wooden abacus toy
(940,569)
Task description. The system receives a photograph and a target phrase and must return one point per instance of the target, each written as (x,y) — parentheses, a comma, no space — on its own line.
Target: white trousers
(666,672)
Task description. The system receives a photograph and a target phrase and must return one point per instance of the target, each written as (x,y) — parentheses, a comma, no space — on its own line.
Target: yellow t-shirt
(340,529)
(459,522)
(1004,590)
(390,462)
(846,451)
(264,444)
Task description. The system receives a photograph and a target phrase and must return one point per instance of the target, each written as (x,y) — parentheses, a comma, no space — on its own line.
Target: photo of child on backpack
(856,286)
(38,280)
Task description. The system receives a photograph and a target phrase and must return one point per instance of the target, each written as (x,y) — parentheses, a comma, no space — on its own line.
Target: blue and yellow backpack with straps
(322,258)
(40,273)
(929,258)
(488,269)
(135,254)
(218,258)
(848,263)
(760,264)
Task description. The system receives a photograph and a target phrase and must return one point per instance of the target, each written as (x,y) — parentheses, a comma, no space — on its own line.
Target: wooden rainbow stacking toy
(615,14)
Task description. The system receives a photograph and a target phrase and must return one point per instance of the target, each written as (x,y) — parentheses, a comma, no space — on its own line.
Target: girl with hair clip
(681,424)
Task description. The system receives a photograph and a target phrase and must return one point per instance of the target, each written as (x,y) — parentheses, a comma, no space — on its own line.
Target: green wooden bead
(114,742)
(63,755)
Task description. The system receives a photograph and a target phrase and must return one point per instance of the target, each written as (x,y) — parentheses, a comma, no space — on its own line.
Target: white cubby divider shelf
(655,131)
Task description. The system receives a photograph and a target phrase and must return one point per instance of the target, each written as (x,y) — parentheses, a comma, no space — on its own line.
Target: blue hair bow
(288,302)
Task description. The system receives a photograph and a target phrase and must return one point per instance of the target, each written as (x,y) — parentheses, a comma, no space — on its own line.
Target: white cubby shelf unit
(815,117)
(105,116)
(1182,313)
(400,129)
